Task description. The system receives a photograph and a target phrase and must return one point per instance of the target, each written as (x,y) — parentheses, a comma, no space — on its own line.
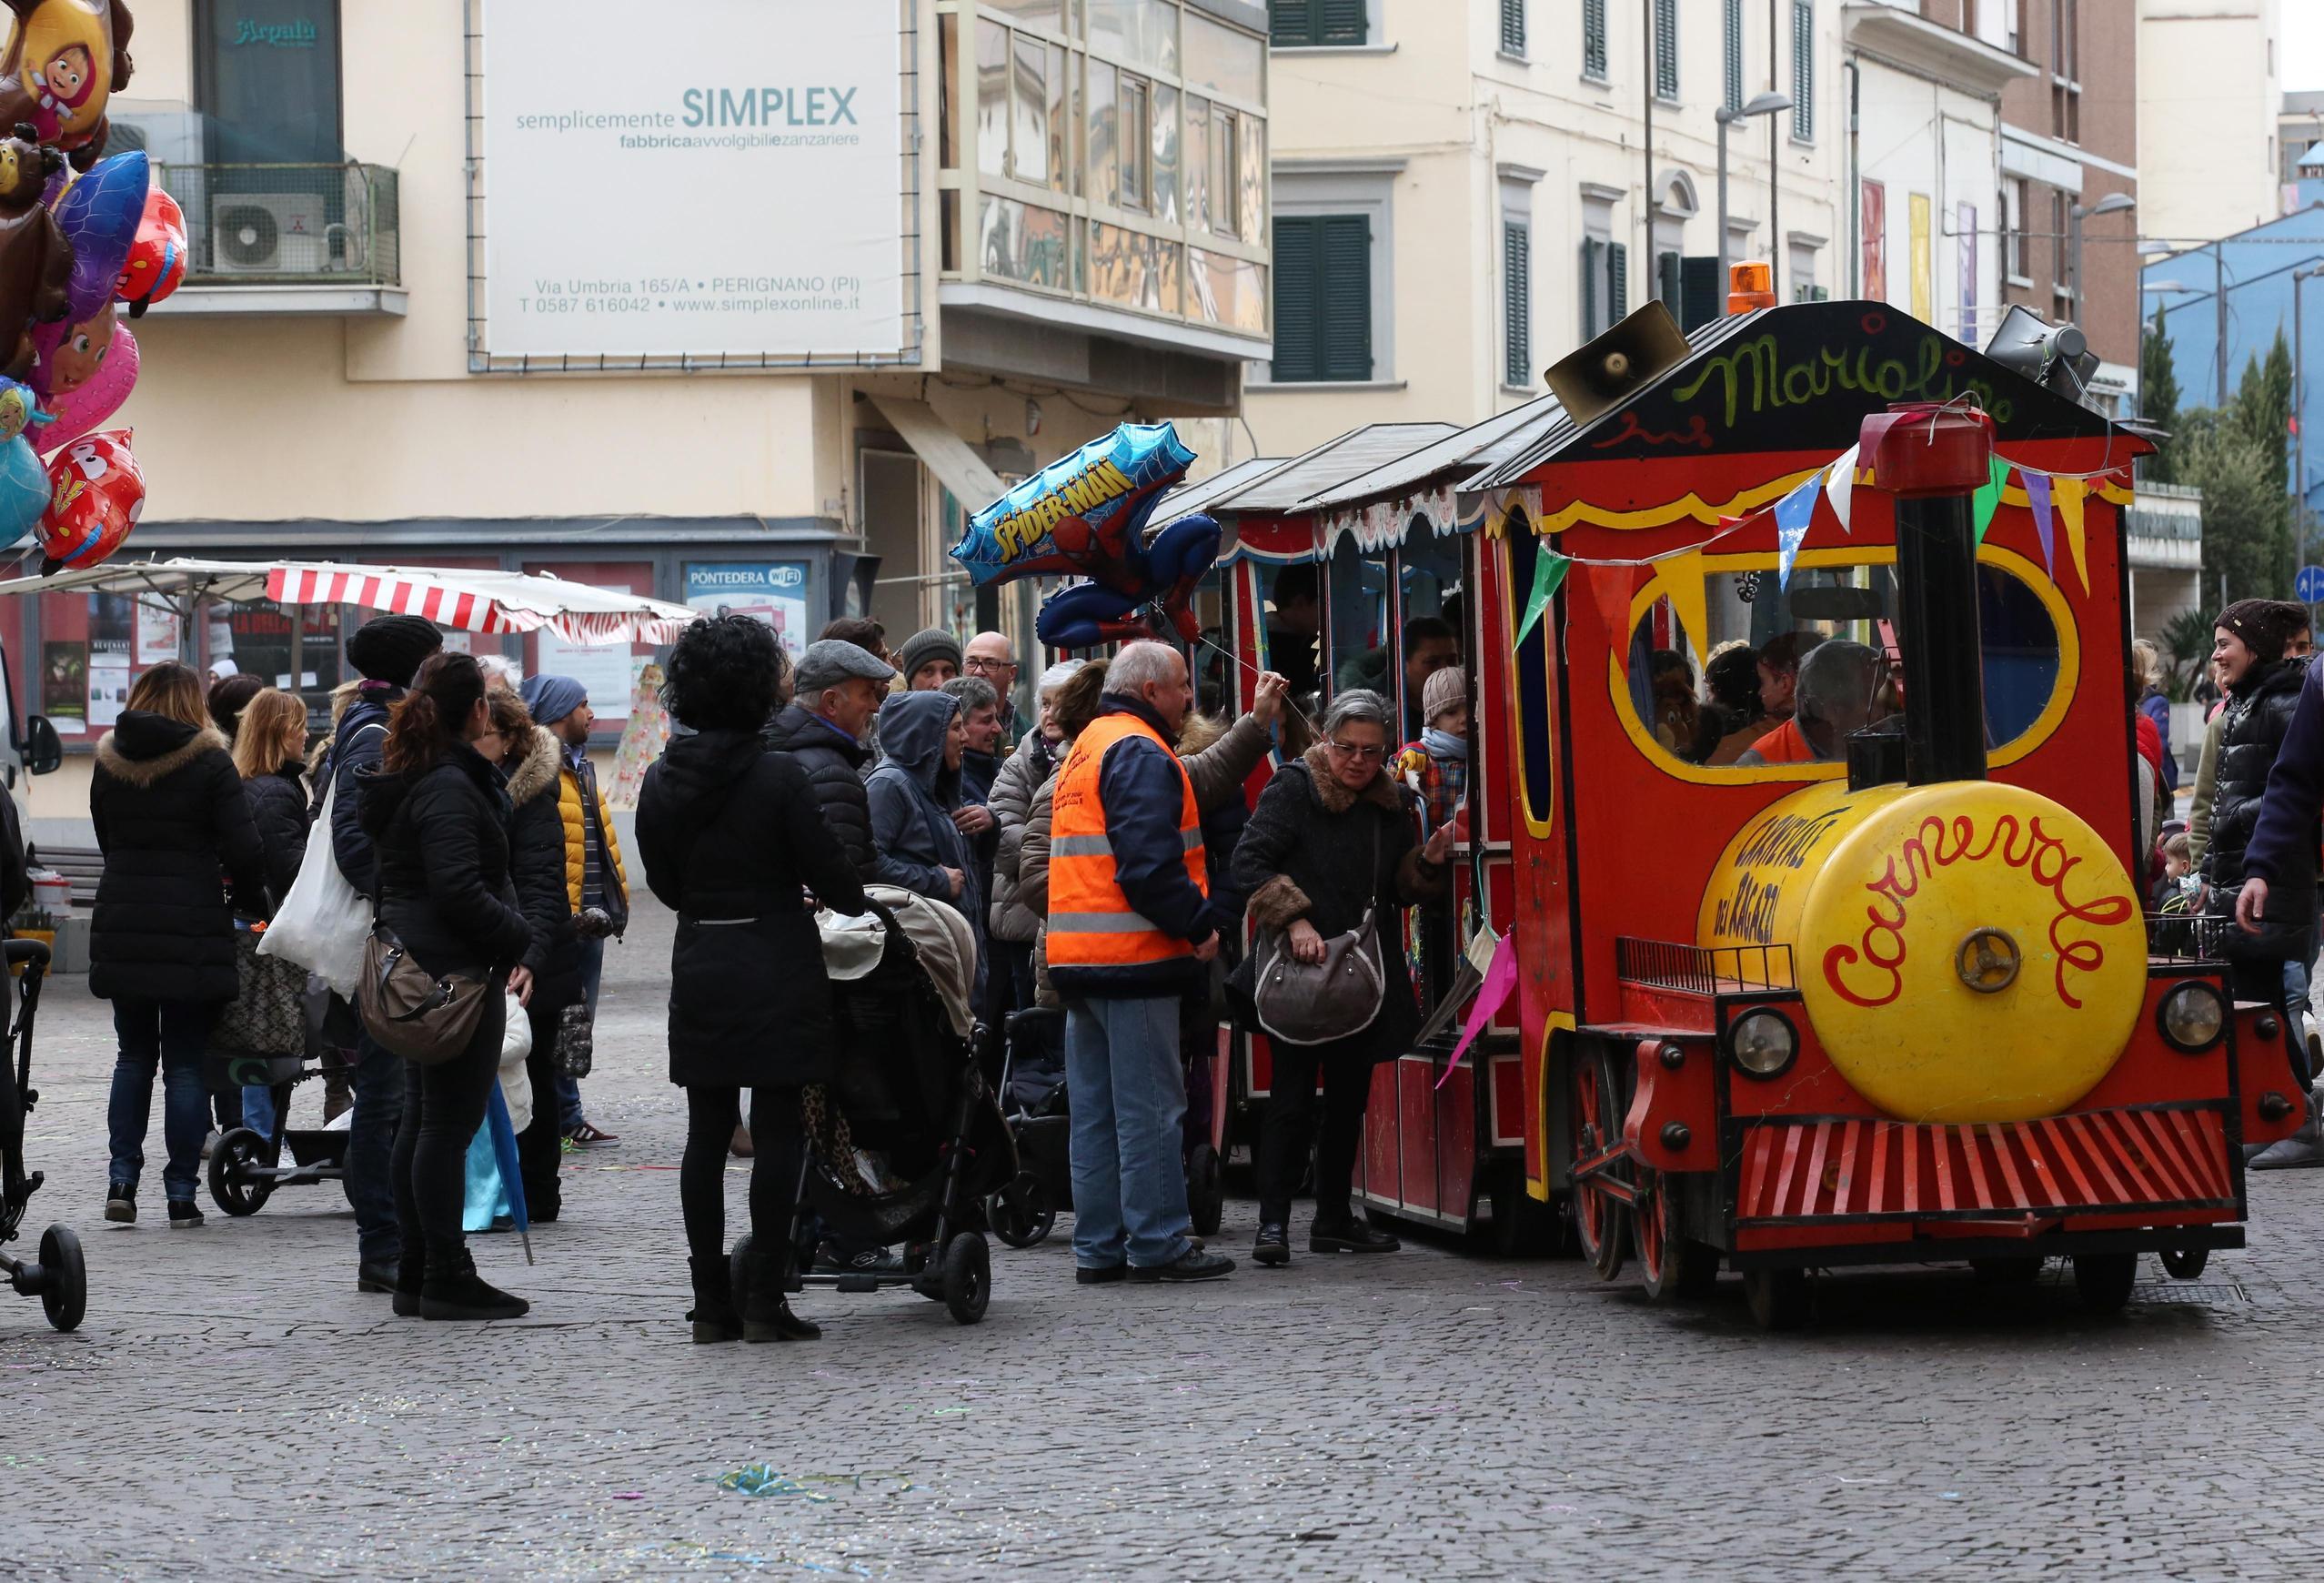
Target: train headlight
(2193,1016)
(1763,1042)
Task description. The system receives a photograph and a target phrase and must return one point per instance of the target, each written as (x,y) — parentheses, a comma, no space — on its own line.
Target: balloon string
(1256,672)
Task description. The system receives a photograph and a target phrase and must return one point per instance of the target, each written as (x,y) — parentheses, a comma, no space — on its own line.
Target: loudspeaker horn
(2055,356)
(1609,371)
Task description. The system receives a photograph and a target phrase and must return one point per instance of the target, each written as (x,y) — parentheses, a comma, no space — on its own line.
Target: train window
(1534,765)
(1359,619)
(1739,704)
(1293,623)
(1214,688)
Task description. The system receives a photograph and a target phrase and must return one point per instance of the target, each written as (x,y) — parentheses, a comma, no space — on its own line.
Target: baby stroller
(1033,1098)
(906,1138)
(246,1165)
(58,1278)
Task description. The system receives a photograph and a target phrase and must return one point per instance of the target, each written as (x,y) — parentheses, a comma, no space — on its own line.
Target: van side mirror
(43,752)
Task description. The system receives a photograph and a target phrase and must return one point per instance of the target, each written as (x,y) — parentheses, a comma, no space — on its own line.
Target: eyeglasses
(979,662)
(1352,750)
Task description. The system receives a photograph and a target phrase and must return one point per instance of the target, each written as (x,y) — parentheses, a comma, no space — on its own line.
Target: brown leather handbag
(422,1017)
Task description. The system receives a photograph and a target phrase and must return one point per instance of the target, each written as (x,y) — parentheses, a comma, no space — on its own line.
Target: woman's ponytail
(425,723)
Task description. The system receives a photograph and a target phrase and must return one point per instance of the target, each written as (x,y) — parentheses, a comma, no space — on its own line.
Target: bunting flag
(1549,571)
(2037,502)
(1793,513)
(2069,492)
(1679,579)
(1500,982)
(1839,485)
(1988,500)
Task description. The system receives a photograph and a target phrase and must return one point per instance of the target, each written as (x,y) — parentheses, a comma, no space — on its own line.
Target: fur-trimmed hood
(1337,798)
(535,773)
(1199,731)
(143,746)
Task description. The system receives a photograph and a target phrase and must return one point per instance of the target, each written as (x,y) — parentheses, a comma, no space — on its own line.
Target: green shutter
(1700,292)
(1295,293)
(1734,73)
(1517,302)
(1667,280)
(1340,22)
(1803,70)
(1512,27)
(1667,48)
(1594,39)
(1290,22)
(1344,348)
(1617,282)
(1590,266)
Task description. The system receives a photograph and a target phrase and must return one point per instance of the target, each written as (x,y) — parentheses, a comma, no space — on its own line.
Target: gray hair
(1055,677)
(974,693)
(1835,672)
(1137,664)
(1358,706)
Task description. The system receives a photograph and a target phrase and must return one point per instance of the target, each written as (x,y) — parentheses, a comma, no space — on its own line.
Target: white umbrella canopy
(471,601)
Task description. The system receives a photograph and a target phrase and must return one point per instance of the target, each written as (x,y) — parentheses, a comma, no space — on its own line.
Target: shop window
(266,78)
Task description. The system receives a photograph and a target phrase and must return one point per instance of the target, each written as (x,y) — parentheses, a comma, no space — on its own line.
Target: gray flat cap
(830,661)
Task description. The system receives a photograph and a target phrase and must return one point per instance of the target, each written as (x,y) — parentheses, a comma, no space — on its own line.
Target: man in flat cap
(837,689)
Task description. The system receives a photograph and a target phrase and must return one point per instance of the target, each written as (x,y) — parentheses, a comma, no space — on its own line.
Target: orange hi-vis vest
(1091,921)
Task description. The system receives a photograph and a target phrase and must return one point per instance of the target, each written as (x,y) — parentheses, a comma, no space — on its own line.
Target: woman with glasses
(1333,836)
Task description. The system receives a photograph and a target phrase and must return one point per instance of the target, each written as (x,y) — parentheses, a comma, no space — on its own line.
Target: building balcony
(286,240)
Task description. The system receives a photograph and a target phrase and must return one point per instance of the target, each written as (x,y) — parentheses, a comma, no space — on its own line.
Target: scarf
(1444,744)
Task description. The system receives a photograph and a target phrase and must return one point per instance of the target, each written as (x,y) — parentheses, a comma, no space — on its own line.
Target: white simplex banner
(713,178)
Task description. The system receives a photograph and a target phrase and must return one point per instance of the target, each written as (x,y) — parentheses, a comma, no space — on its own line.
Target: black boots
(459,1292)
(713,1315)
(766,1305)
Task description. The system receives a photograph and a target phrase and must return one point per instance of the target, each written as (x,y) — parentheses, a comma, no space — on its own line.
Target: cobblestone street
(233,1406)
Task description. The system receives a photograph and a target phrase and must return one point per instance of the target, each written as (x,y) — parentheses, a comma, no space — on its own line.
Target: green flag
(1549,571)
(1988,500)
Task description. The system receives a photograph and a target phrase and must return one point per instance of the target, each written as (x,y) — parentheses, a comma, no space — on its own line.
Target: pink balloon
(96,401)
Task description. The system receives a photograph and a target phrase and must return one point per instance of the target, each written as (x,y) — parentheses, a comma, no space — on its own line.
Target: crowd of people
(1100,857)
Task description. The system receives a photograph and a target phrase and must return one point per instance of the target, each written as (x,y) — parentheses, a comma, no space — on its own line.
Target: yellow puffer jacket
(577,836)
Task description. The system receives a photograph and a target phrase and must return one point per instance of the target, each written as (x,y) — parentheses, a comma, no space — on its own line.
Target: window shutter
(1295,304)
(1667,48)
(1617,282)
(1590,325)
(1700,291)
(1290,22)
(1339,22)
(1734,76)
(1512,27)
(1667,280)
(1343,348)
(1517,303)
(1803,70)
(1594,39)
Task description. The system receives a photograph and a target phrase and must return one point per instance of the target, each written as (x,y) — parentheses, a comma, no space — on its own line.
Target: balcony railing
(287,225)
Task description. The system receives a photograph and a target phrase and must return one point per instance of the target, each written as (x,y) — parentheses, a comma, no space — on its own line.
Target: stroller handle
(36,951)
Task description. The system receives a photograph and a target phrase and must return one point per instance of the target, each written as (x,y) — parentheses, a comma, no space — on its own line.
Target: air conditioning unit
(268,232)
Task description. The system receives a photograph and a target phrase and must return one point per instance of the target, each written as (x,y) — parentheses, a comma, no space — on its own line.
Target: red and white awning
(484,602)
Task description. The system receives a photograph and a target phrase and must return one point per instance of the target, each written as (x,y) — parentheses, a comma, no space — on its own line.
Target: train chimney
(1933,459)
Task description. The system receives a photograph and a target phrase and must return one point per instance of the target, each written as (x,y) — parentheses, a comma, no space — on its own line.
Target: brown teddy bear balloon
(36,258)
(64,59)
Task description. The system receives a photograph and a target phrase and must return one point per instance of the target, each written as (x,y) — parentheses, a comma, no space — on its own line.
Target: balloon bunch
(79,232)
(1086,515)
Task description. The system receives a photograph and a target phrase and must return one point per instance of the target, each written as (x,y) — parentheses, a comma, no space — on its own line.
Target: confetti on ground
(761,1480)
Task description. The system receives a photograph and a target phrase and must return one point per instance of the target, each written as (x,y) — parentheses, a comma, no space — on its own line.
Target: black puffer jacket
(169,813)
(537,853)
(278,809)
(834,767)
(442,840)
(2251,732)
(729,833)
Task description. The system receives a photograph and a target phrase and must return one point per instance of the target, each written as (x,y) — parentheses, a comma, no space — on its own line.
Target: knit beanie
(1443,690)
(550,699)
(390,648)
(931,644)
(2265,626)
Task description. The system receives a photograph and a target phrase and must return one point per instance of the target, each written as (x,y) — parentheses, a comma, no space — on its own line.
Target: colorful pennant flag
(1988,500)
(2069,492)
(1839,485)
(2037,501)
(1793,513)
(1549,571)
(1679,579)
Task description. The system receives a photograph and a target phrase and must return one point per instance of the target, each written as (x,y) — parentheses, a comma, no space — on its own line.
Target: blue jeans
(1129,1101)
(169,1035)
(378,1077)
(568,1089)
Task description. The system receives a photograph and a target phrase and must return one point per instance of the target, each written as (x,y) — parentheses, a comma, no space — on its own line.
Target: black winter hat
(390,648)
(2265,626)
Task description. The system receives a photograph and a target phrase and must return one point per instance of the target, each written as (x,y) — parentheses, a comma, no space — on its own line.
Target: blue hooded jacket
(912,797)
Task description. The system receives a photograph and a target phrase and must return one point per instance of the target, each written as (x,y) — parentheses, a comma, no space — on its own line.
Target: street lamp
(2114,203)
(1765,104)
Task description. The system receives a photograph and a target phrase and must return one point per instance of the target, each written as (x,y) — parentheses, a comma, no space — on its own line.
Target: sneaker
(2303,1148)
(184,1214)
(1195,1265)
(1099,1275)
(465,1295)
(1273,1246)
(586,1136)
(121,1204)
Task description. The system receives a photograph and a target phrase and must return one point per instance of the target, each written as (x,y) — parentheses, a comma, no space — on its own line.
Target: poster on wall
(108,692)
(718,180)
(1875,242)
(1924,284)
(602,668)
(773,591)
(1965,243)
(65,685)
(157,629)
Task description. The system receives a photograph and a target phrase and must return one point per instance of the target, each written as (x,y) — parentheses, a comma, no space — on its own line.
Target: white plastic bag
(516,1083)
(323,922)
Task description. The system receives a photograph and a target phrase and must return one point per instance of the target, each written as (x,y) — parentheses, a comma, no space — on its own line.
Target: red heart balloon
(96,492)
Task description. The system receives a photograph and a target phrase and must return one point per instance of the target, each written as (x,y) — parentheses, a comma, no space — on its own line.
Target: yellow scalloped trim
(1692,505)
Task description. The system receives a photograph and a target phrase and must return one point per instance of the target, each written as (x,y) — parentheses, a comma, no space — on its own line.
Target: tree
(2247,549)
(2263,405)
(2159,400)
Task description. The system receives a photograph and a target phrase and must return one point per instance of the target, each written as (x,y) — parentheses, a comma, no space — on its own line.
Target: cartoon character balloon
(88,401)
(1085,516)
(96,492)
(24,487)
(36,260)
(64,59)
(157,262)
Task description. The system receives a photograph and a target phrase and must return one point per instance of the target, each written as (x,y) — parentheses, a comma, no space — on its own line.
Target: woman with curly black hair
(731,834)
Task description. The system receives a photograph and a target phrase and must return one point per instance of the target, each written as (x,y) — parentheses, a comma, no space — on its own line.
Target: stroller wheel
(1205,1189)
(233,1166)
(1020,1213)
(65,1289)
(967,1278)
